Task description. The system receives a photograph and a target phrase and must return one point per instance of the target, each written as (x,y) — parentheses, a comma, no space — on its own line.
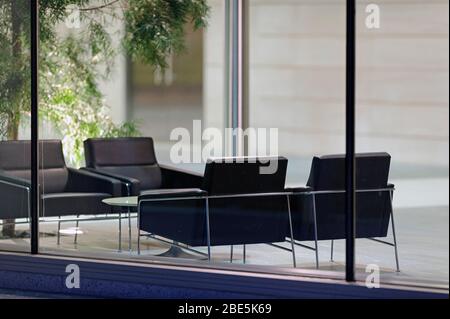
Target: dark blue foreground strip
(124,280)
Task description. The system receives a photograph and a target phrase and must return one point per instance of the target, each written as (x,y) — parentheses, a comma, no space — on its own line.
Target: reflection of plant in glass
(14,71)
(70,63)
(76,108)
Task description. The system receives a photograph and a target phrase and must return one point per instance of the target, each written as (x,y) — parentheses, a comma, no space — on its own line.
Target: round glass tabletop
(122,201)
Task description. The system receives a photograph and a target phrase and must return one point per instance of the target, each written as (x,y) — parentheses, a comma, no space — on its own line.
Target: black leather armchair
(318,210)
(64,191)
(236,205)
(14,196)
(133,161)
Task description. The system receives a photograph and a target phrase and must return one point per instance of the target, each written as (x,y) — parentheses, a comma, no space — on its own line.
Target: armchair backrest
(328,172)
(131,157)
(15,160)
(247,220)
(372,208)
(244,175)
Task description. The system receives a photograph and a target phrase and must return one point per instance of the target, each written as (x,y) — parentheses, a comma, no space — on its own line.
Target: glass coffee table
(131,203)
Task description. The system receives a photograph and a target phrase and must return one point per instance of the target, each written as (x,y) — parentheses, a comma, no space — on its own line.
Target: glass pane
(402,110)
(297,86)
(105,82)
(15,145)
(171,98)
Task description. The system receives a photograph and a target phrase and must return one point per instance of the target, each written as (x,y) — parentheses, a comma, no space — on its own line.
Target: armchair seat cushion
(149,175)
(66,204)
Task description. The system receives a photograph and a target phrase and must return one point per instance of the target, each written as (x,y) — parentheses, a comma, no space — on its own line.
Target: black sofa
(236,205)
(318,210)
(133,161)
(64,191)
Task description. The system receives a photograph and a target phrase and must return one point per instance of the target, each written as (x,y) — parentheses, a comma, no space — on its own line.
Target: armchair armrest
(300,190)
(15,197)
(305,189)
(14,181)
(85,181)
(172,194)
(173,178)
(130,186)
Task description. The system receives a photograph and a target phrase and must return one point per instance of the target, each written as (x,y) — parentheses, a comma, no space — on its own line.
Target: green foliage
(72,62)
(71,100)
(14,73)
(155,28)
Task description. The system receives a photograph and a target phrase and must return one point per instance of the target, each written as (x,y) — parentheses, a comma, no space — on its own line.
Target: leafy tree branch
(71,62)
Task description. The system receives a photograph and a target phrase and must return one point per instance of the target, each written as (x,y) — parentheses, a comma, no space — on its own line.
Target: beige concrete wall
(297,74)
(114,88)
(214,67)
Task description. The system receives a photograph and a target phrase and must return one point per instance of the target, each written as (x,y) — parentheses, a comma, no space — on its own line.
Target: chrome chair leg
(394,234)
(231,254)
(58,235)
(75,240)
(120,232)
(130,248)
(315,231)
(208,229)
(139,242)
(291,228)
(332,251)
(128,186)
(138,230)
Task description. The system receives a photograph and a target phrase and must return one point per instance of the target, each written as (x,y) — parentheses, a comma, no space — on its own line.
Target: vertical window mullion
(350,140)
(34,198)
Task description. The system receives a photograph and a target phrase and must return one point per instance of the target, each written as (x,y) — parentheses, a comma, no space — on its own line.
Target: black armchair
(133,162)
(318,210)
(236,205)
(64,191)
(14,196)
